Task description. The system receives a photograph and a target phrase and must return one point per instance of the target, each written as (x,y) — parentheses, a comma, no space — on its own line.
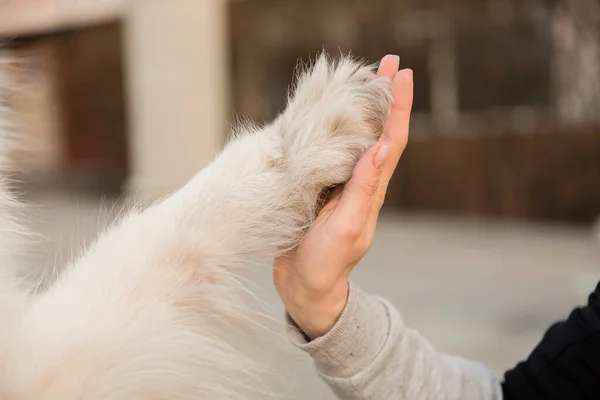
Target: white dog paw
(336,112)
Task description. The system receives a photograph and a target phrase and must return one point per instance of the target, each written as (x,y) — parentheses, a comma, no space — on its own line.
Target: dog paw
(335,113)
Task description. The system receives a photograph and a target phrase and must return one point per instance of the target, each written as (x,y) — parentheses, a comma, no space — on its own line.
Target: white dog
(145,312)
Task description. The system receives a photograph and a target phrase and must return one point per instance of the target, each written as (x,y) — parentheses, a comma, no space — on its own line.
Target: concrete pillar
(177,74)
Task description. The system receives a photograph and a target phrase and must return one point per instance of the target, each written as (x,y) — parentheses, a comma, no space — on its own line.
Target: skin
(313,279)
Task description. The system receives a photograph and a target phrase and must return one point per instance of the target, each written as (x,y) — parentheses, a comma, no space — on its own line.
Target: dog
(147,311)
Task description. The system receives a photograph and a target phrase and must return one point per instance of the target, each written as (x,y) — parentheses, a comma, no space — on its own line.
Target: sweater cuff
(354,341)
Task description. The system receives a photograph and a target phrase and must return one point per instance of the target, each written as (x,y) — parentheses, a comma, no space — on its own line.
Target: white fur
(149,311)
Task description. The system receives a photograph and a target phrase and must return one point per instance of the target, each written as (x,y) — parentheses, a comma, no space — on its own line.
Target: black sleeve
(566,363)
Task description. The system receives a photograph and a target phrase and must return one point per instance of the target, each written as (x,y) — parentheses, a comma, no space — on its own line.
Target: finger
(396,129)
(389,66)
(359,194)
(395,132)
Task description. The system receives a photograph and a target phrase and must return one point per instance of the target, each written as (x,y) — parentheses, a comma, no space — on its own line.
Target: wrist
(317,315)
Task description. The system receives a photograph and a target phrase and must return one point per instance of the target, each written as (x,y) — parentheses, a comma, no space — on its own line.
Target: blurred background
(488,231)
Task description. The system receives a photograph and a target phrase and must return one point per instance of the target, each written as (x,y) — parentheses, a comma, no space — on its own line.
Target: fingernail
(392,57)
(405,73)
(381,157)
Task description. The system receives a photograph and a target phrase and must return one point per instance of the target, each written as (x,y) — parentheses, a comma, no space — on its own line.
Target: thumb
(359,194)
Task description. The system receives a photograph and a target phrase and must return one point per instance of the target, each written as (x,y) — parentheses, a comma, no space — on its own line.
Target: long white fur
(151,310)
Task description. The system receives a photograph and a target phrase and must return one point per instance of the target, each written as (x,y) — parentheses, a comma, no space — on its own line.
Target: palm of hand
(313,279)
(315,274)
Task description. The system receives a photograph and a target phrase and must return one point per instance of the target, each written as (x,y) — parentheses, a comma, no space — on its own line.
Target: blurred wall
(42,16)
(507,98)
(36,97)
(506,114)
(140,98)
(70,100)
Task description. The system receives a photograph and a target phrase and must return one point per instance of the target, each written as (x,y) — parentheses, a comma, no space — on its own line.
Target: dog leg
(142,314)
(261,193)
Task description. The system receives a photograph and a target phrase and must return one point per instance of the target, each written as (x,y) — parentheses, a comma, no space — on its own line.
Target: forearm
(371,355)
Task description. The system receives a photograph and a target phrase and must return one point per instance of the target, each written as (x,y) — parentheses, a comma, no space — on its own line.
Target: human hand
(313,279)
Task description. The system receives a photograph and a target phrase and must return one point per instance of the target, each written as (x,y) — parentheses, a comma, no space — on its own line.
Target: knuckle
(369,187)
(350,231)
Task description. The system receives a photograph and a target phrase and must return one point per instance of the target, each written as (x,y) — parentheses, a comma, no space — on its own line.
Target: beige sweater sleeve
(371,355)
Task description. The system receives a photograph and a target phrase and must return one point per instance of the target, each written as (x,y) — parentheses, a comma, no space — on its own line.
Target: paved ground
(484,290)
